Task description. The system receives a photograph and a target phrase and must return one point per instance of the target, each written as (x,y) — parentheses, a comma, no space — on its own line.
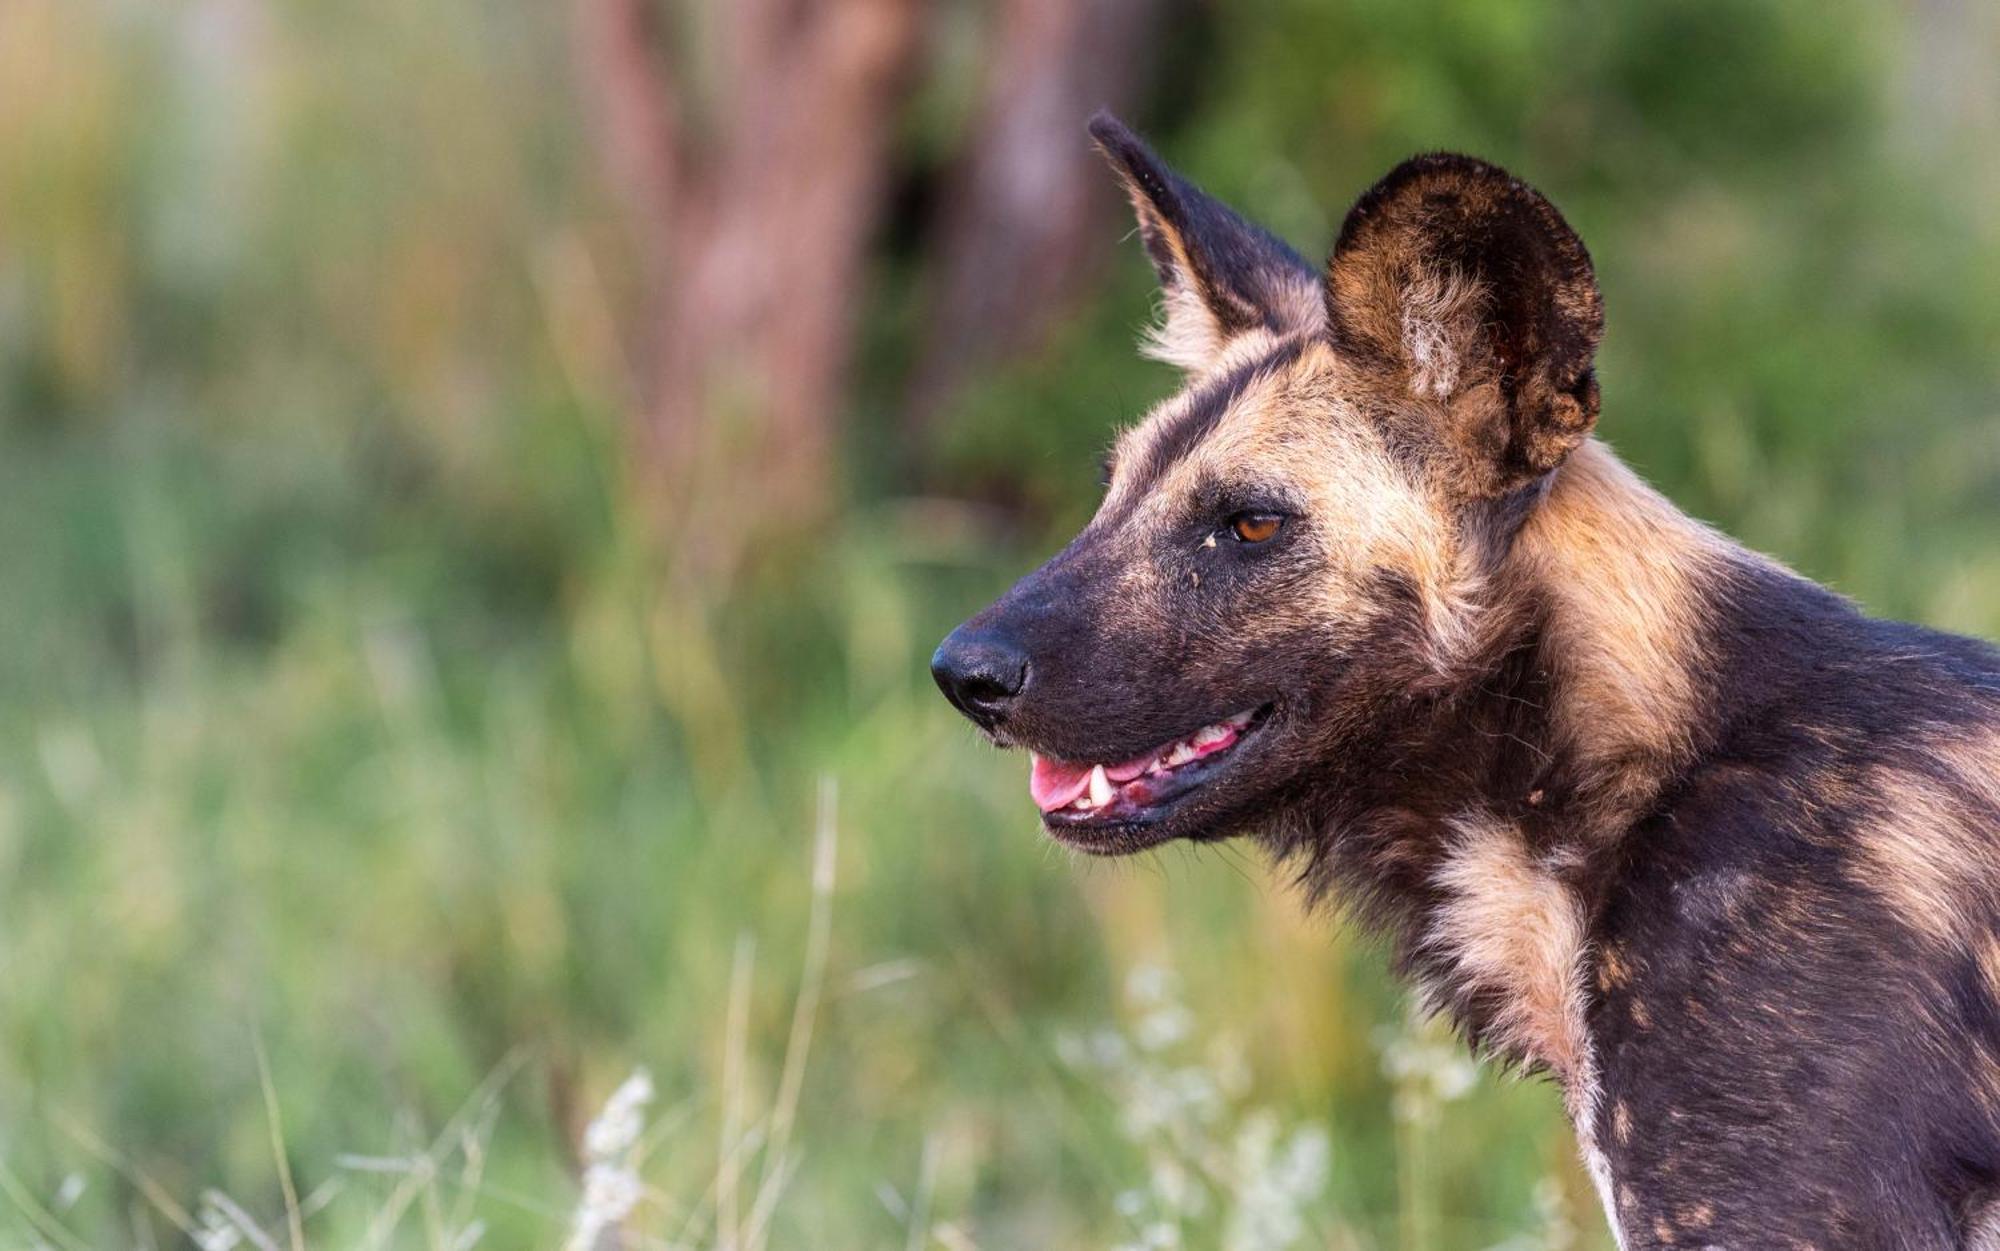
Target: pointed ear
(1456,283)
(1221,276)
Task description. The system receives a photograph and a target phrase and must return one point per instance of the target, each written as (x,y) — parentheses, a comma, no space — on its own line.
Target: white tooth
(1210,734)
(1100,788)
(1241,719)
(1180,755)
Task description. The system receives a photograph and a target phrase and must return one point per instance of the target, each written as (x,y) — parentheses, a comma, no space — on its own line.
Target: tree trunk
(752,232)
(1030,210)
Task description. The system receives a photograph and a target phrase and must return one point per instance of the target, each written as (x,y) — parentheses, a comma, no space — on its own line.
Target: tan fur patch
(1983,1233)
(1934,856)
(1377,515)
(1513,930)
(1300,307)
(1988,955)
(1623,569)
(1611,970)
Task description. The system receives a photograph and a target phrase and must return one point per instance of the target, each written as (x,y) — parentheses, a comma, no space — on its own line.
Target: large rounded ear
(1456,283)
(1221,276)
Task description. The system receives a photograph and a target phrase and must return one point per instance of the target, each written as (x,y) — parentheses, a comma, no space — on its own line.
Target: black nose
(980,673)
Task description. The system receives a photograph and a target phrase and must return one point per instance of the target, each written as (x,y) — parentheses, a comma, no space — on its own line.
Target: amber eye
(1256,527)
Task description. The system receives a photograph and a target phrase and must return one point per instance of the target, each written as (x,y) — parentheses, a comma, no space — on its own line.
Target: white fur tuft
(1437,331)
(1185,335)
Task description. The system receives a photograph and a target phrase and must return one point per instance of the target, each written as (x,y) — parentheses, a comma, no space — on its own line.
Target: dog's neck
(1584,689)
(1621,593)
(1485,822)
(1589,692)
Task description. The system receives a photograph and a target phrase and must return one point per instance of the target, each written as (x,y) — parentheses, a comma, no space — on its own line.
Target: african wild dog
(1641,809)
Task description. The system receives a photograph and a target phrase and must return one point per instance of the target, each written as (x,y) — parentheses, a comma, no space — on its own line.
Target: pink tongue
(1056,785)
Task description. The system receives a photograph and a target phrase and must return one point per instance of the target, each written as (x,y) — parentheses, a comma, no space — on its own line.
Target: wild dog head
(1302,540)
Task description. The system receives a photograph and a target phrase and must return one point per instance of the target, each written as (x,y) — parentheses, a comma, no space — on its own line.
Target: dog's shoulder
(1805,939)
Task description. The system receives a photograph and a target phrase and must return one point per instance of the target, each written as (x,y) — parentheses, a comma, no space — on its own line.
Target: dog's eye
(1256,527)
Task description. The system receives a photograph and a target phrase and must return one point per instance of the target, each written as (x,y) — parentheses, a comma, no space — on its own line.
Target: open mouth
(1081,801)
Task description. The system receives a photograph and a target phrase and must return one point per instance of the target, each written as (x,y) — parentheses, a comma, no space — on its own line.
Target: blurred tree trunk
(752,199)
(1029,210)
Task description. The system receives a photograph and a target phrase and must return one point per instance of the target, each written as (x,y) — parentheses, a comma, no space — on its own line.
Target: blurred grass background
(358,695)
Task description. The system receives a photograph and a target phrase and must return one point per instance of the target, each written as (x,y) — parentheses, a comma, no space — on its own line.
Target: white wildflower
(1196,1094)
(617,1127)
(217,1237)
(216,1231)
(1429,1069)
(1176,1190)
(1277,1182)
(1108,1049)
(1148,1105)
(1150,985)
(610,1192)
(1454,1078)
(69,1192)
(611,1185)
(1254,1140)
(1305,1163)
(1218,1174)
(1558,1232)
(1163,1027)
(1411,1107)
